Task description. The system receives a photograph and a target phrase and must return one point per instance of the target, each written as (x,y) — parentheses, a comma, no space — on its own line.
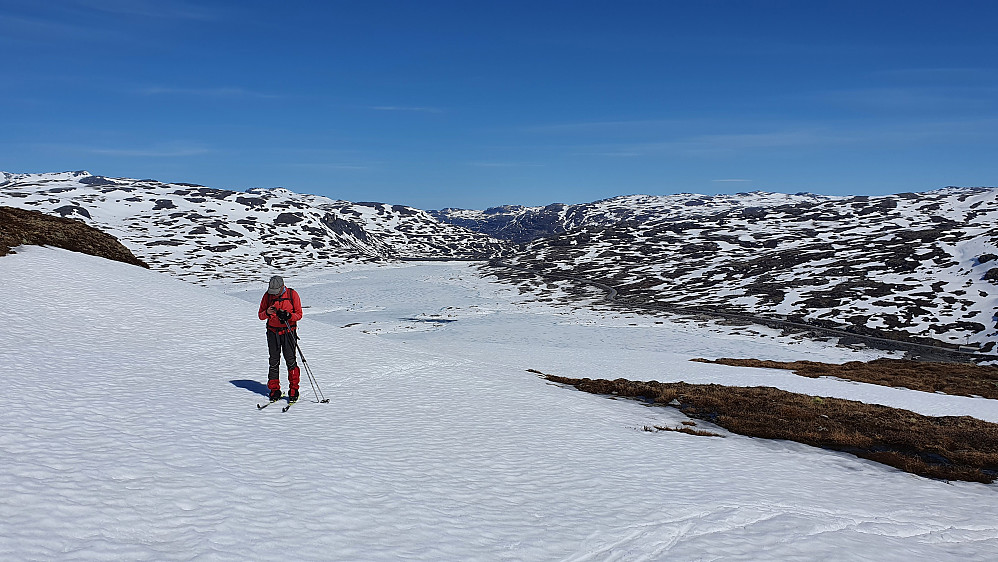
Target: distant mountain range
(524,224)
(200,233)
(916,266)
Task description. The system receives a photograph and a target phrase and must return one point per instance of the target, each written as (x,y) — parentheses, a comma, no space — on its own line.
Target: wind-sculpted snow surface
(920,267)
(204,234)
(133,434)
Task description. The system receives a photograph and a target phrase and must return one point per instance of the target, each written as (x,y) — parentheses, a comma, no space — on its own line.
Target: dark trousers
(277,344)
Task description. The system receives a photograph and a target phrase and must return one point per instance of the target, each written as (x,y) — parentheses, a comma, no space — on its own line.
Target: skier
(281,308)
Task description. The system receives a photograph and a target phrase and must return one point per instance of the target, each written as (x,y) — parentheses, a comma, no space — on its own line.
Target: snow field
(131,441)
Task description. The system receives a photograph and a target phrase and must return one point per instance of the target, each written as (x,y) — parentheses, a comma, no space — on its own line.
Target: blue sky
(477,103)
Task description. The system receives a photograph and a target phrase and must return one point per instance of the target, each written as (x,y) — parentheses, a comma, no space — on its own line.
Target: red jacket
(288,300)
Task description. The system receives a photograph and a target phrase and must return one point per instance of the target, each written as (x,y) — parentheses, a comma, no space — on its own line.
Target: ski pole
(308,370)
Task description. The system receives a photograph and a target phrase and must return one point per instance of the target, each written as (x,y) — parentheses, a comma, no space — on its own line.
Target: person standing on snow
(281,308)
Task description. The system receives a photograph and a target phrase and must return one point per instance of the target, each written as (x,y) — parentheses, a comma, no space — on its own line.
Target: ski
(262,406)
(288,407)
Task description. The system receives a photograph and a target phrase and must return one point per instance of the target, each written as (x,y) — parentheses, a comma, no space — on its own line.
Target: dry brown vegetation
(951,447)
(962,379)
(21,226)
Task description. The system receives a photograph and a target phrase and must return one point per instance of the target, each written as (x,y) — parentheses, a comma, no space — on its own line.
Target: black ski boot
(275,395)
(292,396)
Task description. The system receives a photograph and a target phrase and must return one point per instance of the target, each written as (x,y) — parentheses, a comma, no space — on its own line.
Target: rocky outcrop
(20,226)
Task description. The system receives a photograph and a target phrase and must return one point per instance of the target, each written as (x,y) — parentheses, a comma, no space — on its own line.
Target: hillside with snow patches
(521,224)
(205,234)
(919,267)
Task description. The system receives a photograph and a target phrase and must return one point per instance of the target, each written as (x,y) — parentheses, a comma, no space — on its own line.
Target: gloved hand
(283,315)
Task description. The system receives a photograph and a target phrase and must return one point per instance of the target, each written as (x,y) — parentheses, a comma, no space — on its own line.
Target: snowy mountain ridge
(919,267)
(204,234)
(525,224)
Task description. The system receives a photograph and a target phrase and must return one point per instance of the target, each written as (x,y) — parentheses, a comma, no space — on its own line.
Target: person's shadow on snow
(252,386)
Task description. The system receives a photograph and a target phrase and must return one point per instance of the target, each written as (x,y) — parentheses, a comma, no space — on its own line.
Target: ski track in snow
(127,440)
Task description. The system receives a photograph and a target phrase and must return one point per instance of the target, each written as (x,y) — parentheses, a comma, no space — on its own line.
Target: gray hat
(276,284)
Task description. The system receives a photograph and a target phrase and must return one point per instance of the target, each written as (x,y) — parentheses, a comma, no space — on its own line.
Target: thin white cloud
(714,144)
(206,92)
(160,9)
(817,137)
(940,98)
(346,167)
(608,127)
(505,165)
(613,154)
(329,166)
(150,152)
(406,108)
(948,76)
(38,29)
(775,139)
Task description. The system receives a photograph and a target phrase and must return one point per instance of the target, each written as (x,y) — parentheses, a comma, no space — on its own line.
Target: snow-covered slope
(202,234)
(132,433)
(914,266)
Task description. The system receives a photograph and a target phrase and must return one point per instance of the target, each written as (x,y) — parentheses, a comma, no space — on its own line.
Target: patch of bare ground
(950,447)
(21,226)
(962,379)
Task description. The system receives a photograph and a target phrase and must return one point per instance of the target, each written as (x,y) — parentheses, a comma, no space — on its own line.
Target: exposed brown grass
(962,379)
(21,226)
(951,447)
